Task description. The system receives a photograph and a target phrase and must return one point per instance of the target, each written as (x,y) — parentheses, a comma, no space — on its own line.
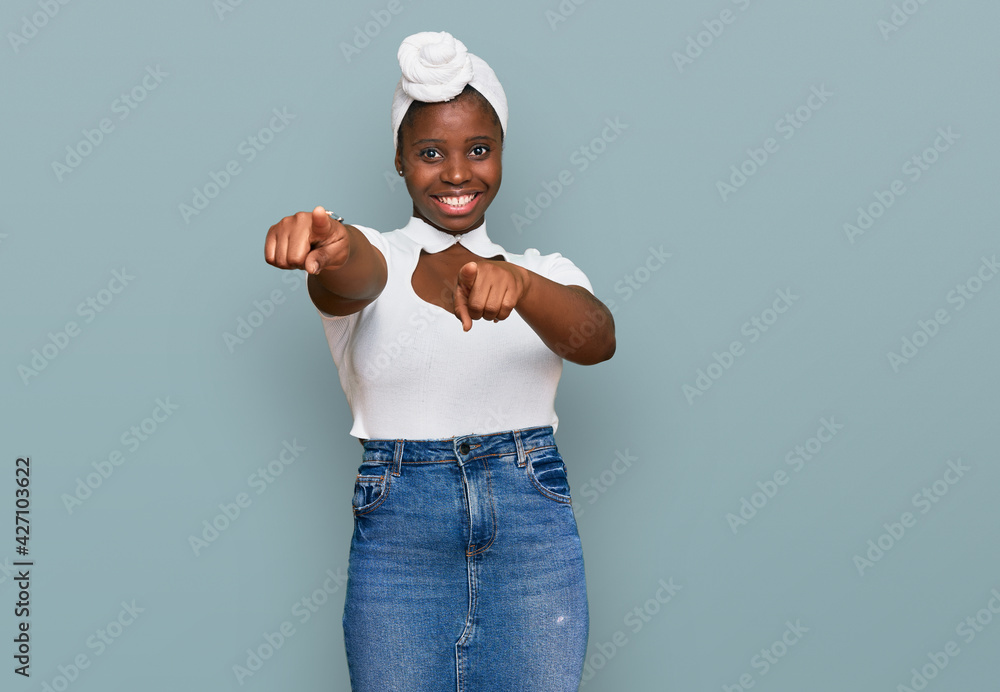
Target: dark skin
(455,147)
(451,148)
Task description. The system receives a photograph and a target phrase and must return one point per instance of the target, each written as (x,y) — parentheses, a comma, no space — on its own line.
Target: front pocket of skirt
(547,471)
(369,492)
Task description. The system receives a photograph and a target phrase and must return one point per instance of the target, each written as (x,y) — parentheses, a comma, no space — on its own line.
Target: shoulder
(375,237)
(384,238)
(553,266)
(389,243)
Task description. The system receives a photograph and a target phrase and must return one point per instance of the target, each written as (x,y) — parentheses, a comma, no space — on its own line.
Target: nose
(456,171)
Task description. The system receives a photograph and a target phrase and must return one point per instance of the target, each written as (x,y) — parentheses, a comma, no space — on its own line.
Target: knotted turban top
(436,67)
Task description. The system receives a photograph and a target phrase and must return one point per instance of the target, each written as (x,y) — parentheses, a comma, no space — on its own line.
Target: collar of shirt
(433,240)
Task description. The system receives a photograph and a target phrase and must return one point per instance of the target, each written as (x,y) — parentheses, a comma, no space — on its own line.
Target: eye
(484,149)
(428,152)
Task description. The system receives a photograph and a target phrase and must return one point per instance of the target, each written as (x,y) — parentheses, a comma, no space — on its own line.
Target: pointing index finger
(463,287)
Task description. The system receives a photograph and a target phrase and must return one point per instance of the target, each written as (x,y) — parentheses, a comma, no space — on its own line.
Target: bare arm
(568,319)
(355,284)
(573,323)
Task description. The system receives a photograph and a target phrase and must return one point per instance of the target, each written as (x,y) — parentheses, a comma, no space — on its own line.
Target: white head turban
(436,67)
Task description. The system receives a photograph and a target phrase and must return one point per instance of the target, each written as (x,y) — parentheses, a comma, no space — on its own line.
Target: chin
(458,224)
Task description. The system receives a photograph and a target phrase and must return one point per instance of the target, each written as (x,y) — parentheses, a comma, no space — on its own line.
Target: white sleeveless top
(410,372)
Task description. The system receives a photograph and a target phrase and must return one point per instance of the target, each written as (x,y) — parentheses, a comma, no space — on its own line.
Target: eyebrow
(441,141)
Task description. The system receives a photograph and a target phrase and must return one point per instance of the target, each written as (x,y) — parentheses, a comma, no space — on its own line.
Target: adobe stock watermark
(131,439)
(260,480)
(594,489)
(603,652)
(579,333)
(302,611)
(698,43)
(925,500)
(965,291)
(100,641)
(224,7)
(769,656)
(32,24)
(6,570)
(392,179)
(248,149)
(797,457)
(914,169)
(581,158)
(752,329)
(635,280)
(490,418)
(377,363)
(59,341)
(247,325)
(563,11)
(968,629)
(899,17)
(365,33)
(787,126)
(122,106)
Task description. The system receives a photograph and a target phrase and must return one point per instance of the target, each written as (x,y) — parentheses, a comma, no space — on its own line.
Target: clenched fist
(307,240)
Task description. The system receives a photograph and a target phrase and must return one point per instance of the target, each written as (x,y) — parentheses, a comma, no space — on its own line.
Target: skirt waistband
(462,447)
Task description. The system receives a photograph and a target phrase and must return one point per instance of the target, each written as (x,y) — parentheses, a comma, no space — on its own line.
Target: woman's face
(450,153)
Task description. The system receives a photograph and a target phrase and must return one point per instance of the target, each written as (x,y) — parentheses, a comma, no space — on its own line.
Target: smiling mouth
(456,203)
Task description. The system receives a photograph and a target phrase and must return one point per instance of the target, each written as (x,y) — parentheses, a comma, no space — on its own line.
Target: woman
(466,570)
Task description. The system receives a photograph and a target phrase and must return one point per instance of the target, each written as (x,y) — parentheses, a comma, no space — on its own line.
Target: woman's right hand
(307,240)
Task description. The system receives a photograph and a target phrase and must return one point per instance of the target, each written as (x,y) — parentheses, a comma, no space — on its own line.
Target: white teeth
(457,201)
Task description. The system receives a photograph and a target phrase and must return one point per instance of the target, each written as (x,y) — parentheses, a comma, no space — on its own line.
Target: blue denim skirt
(466,569)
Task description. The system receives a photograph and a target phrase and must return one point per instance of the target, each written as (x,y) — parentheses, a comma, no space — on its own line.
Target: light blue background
(664,517)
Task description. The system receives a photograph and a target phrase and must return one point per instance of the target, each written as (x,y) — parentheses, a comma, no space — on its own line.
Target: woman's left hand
(488,289)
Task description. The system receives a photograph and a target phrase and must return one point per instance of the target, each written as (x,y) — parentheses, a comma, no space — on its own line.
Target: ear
(398,160)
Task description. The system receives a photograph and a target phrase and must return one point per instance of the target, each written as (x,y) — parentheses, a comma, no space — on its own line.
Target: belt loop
(521,456)
(397,458)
